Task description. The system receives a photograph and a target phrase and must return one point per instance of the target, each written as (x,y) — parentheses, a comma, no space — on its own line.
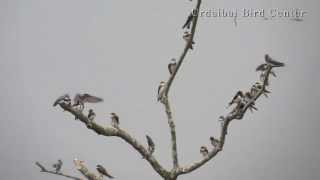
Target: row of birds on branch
(241,99)
(101,170)
(187,36)
(172,66)
(214,142)
(81,99)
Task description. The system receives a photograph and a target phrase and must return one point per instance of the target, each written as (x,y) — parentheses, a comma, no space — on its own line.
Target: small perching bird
(273,62)
(187,37)
(188,22)
(103,171)
(115,120)
(269,62)
(57,166)
(172,66)
(161,88)
(204,151)
(257,87)
(151,145)
(91,115)
(62,99)
(241,99)
(80,99)
(214,142)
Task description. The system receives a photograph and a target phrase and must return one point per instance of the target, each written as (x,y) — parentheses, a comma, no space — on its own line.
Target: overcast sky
(119,50)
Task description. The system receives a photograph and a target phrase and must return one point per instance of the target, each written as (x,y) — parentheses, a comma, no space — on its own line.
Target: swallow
(239,95)
(103,171)
(62,99)
(91,115)
(80,99)
(172,66)
(161,88)
(273,62)
(78,163)
(257,87)
(187,37)
(115,120)
(204,151)
(238,99)
(57,166)
(188,22)
(214,142)
(151,145)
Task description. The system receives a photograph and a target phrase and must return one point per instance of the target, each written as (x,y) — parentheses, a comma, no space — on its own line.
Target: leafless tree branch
(108,131)
(43,169)
(224,128)
(186,49)
(165,98)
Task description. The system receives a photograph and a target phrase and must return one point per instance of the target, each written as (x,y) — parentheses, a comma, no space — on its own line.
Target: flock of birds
(102,171)
(240,100)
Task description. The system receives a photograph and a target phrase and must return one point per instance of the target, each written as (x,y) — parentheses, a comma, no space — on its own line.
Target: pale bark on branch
(121,133)
(165,98)
(43,169)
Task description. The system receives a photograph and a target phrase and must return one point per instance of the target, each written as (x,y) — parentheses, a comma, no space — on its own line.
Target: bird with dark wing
(62,99)
(238,95)
(257,87)
(172,66)
(91,115)
(161,88)
(214,142)
(204,151)
(103,171)
(115,120)
(80,99)
(238,99)
(58,166)
(187,36)
(151,145)
(188,22)
(273,62)
(262,67)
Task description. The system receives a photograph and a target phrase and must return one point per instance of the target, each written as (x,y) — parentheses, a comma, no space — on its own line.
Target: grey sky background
(119,50)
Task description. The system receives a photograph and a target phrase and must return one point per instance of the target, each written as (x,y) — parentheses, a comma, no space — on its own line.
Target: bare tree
(241,102)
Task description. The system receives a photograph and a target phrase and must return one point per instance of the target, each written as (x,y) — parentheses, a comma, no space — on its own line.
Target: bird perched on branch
(80,99)
(269,62)
(257,87)
(115,120)
(103,171)
(161,88)
(188,22)
(214,142)
(62,99)
(187,38)
(273,62)
(91,115)
(57,166)
(172,66)
(204,151)
(241,99)
(151,145)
